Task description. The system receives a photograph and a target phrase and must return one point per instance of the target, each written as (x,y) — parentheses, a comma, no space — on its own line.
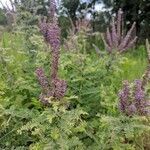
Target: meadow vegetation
(88,114)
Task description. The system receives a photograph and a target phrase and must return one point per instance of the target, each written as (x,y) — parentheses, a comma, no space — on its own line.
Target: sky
(5,2)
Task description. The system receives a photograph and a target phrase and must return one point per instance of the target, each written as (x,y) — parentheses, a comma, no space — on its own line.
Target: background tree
(3,20)
(71,7)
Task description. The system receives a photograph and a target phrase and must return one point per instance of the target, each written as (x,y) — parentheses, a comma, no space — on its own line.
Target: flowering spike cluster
(60,88)
(42,79)
(51,32)
(133,100)
(124,96)
(115,38)
(53,36)
(139,93)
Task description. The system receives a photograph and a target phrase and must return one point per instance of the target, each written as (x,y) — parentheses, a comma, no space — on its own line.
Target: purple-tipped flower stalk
(115,38)
(133,100)
(42,80)
(139,93)
(51,34)
(124,96)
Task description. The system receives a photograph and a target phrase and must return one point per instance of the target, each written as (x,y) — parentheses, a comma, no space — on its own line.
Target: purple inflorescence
(133,100)
(131,109)
(139,93)
(115,39)
(124,96)
(51,32)
(53,36)
(43,27)
(42,79)
(61,87)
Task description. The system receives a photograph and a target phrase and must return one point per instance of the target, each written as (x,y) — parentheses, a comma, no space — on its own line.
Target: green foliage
(123,132)
(87,117)
(71,7)
(56,128)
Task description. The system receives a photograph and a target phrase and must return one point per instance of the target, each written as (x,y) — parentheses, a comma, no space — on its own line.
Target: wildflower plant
(133,99)
(54,87)
(115,39)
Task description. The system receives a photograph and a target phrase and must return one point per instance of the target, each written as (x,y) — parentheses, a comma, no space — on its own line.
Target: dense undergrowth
(87,117)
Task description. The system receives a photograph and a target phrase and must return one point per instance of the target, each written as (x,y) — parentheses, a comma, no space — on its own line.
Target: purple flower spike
(55,88)
(132,101)
(115,38)
(42,79)
(124,96)
(131,110)
(43,27)
(139,93)
(53,36)
(60,88)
